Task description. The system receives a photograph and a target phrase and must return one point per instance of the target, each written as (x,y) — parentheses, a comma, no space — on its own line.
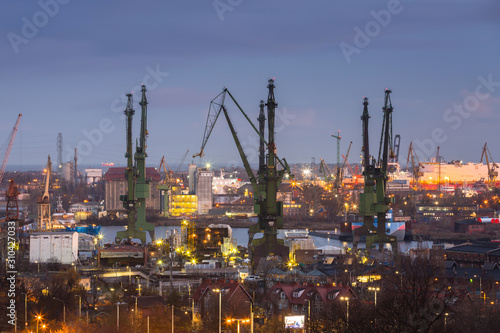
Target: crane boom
(9,147)
(415,166)
(492,166)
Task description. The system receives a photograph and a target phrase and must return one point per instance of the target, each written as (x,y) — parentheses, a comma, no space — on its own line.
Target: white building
(93,175)
(59,246)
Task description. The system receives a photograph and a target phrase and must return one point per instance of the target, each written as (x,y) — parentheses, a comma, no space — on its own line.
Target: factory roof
(118,173)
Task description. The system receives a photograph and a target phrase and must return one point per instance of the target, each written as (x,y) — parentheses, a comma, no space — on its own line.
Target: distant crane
(415,163)
(345,163)
(44,217)
(338,181)
(323,167)
(492,166)
(9,147)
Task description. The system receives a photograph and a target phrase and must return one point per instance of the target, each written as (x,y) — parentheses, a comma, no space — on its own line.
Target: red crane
(9,147)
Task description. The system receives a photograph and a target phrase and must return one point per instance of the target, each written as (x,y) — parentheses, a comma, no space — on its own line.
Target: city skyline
(68,65)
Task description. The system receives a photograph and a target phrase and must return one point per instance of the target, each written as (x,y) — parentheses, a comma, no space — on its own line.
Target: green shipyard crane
(265,187)
(374,200)
(138,183)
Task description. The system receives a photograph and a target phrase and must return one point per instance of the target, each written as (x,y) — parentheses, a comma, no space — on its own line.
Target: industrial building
(454,172)
(62,247)
(116,185)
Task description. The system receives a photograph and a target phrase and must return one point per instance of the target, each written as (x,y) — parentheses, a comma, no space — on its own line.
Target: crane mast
(43,205)
(338,181)
(9,147)
(138,185)
(374,201)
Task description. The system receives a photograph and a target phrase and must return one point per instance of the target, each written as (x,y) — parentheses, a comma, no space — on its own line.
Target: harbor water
(241,236)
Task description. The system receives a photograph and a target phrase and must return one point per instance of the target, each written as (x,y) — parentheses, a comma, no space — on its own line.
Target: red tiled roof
(309,291)
(118,173)
(228,287)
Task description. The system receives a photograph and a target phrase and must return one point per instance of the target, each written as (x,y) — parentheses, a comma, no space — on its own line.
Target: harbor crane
(338,180)
(374,200)
(269,210)
(9,147)
(138,183)
(323,168)
(43,204)
(492,166)
(415,165)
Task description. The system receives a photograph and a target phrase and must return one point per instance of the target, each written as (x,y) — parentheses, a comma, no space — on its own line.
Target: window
(282,295)
(295,308)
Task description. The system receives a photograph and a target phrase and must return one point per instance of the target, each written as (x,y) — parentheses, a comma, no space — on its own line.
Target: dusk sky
(66,66)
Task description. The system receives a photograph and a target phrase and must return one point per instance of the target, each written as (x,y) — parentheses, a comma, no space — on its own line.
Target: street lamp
(375,289)
(118,315)
(347,313)
(135,314)
(238,320)
(308,315)
(445,315)
(220,302)
(38,318)
(480,287)
(172,318)
(64,308)
(25,309)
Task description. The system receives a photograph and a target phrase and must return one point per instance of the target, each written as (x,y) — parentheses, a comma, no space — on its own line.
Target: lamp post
(192,313)
(79,305)
(220,302)
(251,317)
(480,287)
(135,314)
(25,309)
(308,315)
(347,313)
(445,315)
(64,308)
(350,277)
(118,315)
(238,320)
(38,318)
(172,318)
(375,289)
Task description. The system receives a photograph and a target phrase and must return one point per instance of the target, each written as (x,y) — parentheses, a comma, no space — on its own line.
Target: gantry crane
(9,147)
(138,183)
(415,165)
(374,201)
(269,210)
(44,217)
(492,166)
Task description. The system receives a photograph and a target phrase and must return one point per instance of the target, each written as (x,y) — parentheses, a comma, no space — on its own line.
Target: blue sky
(70,73)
